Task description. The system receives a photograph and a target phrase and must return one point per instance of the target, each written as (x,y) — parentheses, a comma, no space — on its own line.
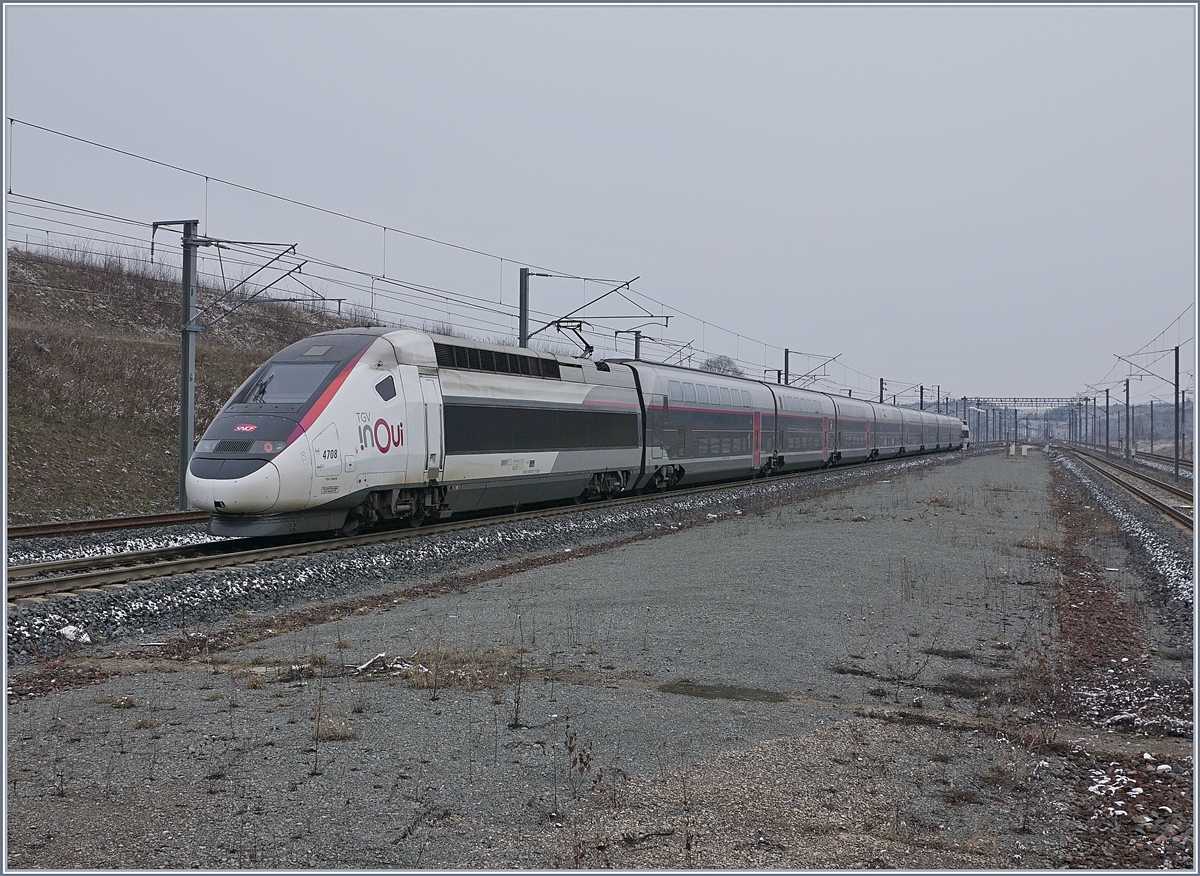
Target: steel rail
(123,560)
(39,579)
(1165,507)
(105,524)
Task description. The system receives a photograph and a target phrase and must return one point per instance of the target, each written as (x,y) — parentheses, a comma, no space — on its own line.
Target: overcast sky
(995,200)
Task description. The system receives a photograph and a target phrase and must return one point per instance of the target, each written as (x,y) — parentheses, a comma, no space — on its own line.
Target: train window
(498,429)
(689,392)
(701,393)
(286,383)
(714,395)
(702,446)
(725,397)
(676,391)
(318,350)
(386,388)
(725,443)
(497,361)
(745,399)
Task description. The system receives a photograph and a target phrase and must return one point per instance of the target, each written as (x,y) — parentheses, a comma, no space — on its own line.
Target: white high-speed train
(361,426)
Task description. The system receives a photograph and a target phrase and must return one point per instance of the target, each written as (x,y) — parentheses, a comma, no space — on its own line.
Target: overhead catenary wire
(347,216)
(459,299)
(266,194)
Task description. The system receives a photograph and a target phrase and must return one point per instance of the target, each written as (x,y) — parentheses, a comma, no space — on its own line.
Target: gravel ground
(34,627)
(841,673)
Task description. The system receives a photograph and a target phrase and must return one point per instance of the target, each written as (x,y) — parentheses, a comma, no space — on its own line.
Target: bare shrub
(941,500)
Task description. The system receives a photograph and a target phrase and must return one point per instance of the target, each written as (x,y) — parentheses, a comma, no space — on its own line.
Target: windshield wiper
(260,390)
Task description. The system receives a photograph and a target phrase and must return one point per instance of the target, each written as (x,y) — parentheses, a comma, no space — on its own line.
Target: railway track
(1154,479)
(106,524)
(1125,477)
(1168,460)
(82,574)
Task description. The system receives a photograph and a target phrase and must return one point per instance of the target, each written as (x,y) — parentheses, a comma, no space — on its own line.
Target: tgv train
(358,427)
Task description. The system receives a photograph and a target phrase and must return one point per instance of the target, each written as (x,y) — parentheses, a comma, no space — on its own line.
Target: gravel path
(769,678)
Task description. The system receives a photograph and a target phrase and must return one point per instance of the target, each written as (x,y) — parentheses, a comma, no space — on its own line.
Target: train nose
(249,494)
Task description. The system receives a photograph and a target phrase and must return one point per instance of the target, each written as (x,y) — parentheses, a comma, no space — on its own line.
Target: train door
(756,441)
(377,450)
(431,391)
(326,449)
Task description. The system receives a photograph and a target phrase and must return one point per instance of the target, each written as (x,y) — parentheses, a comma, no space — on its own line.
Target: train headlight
(239,445)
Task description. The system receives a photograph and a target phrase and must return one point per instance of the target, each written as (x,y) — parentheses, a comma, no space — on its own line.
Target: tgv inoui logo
(383,435)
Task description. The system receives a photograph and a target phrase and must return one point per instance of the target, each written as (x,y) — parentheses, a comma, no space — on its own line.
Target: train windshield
(286,383)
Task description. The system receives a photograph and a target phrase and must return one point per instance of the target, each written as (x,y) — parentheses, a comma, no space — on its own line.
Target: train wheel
(350,527)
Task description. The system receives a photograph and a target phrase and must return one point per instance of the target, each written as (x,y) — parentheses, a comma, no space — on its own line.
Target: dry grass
(1037,541)
(93,349)
(334,728)
(451,667)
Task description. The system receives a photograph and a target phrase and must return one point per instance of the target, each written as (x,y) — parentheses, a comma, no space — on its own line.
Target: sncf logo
(245,427)
(383,435)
